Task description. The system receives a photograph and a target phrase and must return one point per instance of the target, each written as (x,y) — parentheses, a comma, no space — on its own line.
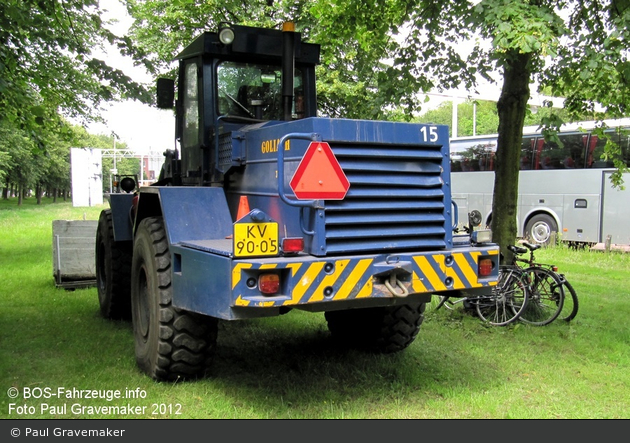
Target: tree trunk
(512,106)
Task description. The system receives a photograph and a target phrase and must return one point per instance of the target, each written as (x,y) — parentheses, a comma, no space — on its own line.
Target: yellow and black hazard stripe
(316,281)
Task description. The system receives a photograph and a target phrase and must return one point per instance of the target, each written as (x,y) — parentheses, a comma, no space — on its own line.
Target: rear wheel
(387,329)
(546,297)
(540,227)
(170,343)
(571,305)
(113,270)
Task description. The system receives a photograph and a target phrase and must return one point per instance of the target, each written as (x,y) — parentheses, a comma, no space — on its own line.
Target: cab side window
(190,133)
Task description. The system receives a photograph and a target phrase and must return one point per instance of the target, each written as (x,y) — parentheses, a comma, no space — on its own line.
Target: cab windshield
(255,91)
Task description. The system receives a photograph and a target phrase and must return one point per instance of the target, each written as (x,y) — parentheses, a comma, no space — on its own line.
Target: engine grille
(225,152)
(395,201)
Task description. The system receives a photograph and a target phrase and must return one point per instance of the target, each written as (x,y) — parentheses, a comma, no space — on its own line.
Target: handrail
(295,135)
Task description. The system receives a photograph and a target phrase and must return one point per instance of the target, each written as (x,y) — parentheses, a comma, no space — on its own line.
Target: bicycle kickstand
(441,303)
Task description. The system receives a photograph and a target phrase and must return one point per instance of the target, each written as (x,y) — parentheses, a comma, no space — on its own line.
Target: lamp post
(113,171)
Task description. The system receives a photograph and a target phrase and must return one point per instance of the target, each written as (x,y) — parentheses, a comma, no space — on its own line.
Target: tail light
(485,267)
(269,284)
(292,245)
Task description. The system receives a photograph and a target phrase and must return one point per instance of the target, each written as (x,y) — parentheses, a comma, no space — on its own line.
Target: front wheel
(508,299)
(386,329)
(170,343)
(113,270)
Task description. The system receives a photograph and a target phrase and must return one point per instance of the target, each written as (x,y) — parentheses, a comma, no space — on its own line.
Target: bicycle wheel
(508,300)
(571,305)
(546,296)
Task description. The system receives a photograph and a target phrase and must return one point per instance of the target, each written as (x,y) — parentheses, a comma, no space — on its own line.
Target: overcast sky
(143,128)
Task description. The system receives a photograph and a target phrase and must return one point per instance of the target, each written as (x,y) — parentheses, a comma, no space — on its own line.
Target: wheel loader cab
(252,77)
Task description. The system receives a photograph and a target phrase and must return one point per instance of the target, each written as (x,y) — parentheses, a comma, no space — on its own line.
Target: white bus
(563,189)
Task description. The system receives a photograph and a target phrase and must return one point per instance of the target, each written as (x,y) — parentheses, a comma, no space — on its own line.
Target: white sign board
(86,176)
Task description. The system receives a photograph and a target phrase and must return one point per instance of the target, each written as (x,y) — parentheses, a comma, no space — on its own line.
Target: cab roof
(250,44)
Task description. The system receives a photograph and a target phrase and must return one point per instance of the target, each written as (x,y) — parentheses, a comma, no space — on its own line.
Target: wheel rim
(505,304)
(541,232)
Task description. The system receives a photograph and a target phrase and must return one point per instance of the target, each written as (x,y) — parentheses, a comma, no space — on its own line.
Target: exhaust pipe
(288,68)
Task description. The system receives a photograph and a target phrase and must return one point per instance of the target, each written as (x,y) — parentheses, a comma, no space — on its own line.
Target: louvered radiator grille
(395,201)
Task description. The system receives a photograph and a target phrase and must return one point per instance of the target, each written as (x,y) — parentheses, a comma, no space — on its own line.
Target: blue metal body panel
(120,205)
(399,196)
(192,213)
(208,280)
(201,281)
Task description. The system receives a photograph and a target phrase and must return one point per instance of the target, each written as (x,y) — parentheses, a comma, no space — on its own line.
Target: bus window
(624,144)
(477,155)
(569,154)
(527,147)
(595,150)
(539,154)
(486,159)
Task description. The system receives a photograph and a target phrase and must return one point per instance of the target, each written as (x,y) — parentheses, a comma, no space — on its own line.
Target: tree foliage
(50,68)
(378,56)
(23,168)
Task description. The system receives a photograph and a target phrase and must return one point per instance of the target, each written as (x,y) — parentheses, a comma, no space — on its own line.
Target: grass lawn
(54,341)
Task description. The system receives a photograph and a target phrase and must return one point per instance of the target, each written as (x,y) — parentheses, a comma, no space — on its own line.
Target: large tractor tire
(113,271)
(170,344)
(385,330)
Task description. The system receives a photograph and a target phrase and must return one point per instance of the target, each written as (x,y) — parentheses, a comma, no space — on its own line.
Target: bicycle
(570,303)
(503,306)
(508,299)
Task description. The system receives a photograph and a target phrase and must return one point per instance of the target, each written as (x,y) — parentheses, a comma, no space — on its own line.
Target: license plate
(255,239)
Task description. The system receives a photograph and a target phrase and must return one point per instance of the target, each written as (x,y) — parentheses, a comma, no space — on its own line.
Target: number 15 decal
(429,133)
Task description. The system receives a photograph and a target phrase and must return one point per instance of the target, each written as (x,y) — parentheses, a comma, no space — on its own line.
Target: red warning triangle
(319,175)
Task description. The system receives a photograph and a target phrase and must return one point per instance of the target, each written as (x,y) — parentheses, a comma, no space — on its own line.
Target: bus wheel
(170,343)
(540,227)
